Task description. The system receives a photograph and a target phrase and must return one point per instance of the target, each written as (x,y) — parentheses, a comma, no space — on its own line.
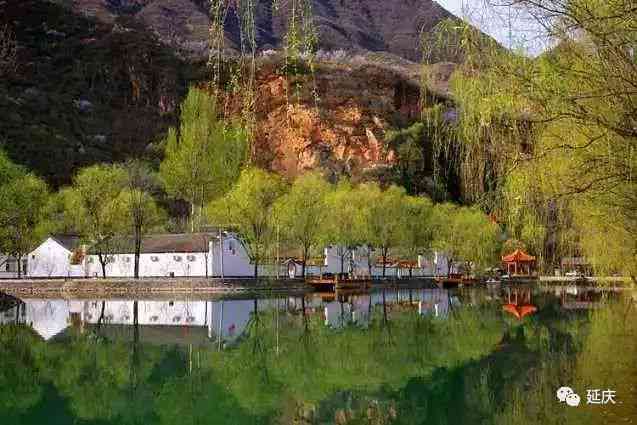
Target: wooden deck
(332,284)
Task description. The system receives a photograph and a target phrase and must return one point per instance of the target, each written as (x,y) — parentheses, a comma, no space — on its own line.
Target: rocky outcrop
(334,120)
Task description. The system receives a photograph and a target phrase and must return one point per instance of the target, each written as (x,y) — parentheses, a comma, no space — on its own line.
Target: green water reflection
(398,357)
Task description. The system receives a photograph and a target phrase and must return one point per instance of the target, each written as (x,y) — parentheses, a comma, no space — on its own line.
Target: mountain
(392,26)
(102,80)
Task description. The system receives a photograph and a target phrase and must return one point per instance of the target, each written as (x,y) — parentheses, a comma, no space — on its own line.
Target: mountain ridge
(393,26)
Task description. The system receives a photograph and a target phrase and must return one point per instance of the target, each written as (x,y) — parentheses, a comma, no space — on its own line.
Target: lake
(495,355)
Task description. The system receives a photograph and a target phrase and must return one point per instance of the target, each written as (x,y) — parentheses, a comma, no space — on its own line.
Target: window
(7,267)
(191,258)
(126,259)
(91,260)
(154,258)
(231,247)
(177,258)
(110,259)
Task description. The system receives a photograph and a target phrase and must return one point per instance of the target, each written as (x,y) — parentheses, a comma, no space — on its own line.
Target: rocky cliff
(334,119)
(94,85)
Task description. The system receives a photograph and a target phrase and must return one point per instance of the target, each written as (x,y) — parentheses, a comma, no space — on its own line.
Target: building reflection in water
(519,302)
(203,322)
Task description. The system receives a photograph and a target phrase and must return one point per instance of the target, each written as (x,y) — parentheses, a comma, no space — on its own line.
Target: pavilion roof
(518,256)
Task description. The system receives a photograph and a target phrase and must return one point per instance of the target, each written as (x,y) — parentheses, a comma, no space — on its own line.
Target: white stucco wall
(357,261)
(180,264)
(51,259)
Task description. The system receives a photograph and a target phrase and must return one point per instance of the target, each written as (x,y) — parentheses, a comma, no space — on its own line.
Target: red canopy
(518,256)
(519,311)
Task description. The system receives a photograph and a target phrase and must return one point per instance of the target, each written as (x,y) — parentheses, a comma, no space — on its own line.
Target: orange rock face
(334,120)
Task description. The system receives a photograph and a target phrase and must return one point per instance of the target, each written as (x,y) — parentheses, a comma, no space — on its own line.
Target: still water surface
(422,356)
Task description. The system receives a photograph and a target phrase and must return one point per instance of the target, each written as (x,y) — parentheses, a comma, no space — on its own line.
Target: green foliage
(94,208)
(545,140)
(465,234)
(23,221)
(382,217)
(205,157)
(344,220)
(20,388)
(248,208)
(418,227)
(301,213)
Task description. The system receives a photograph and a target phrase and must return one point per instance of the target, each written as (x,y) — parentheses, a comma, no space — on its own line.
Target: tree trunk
(449,266)
(256,269)
(342,261)
(384,261)
(101,318)
(102,260)
(192,217)
(19,258)
(304,262)
(138,249)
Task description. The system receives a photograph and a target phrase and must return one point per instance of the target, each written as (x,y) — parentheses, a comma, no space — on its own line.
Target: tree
(204,158)
(8,170)
(466,234)
(343,221)
(141,212)
(23,201)
(561,127)
(417,227)
(248,207)
(383,218)
(301,213)
(93,205)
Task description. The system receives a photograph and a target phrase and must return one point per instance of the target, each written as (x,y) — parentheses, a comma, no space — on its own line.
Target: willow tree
(417,227)
(302,212)
(342,229)
(23,211)
(138,206)
(248,207)
(383,218)
(92,207)
(556,132)
(205,156)
(465,234)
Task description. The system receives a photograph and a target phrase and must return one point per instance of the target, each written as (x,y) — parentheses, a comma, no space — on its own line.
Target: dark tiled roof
(183,242)
(70,242)
(168,242)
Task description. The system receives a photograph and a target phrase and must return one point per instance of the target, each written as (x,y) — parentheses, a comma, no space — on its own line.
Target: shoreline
(216,287)
(170,287)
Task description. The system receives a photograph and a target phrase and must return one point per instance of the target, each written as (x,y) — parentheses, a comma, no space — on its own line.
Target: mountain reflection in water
(408,356)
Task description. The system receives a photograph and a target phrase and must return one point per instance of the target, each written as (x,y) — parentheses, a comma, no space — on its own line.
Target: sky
(510,26)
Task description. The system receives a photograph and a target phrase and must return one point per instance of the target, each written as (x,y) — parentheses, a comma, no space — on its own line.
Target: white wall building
(201,255)
(356,261)
(178,255)
(54,258)
(9,267)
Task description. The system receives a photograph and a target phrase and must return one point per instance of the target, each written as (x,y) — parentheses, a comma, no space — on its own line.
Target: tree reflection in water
(474,365)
